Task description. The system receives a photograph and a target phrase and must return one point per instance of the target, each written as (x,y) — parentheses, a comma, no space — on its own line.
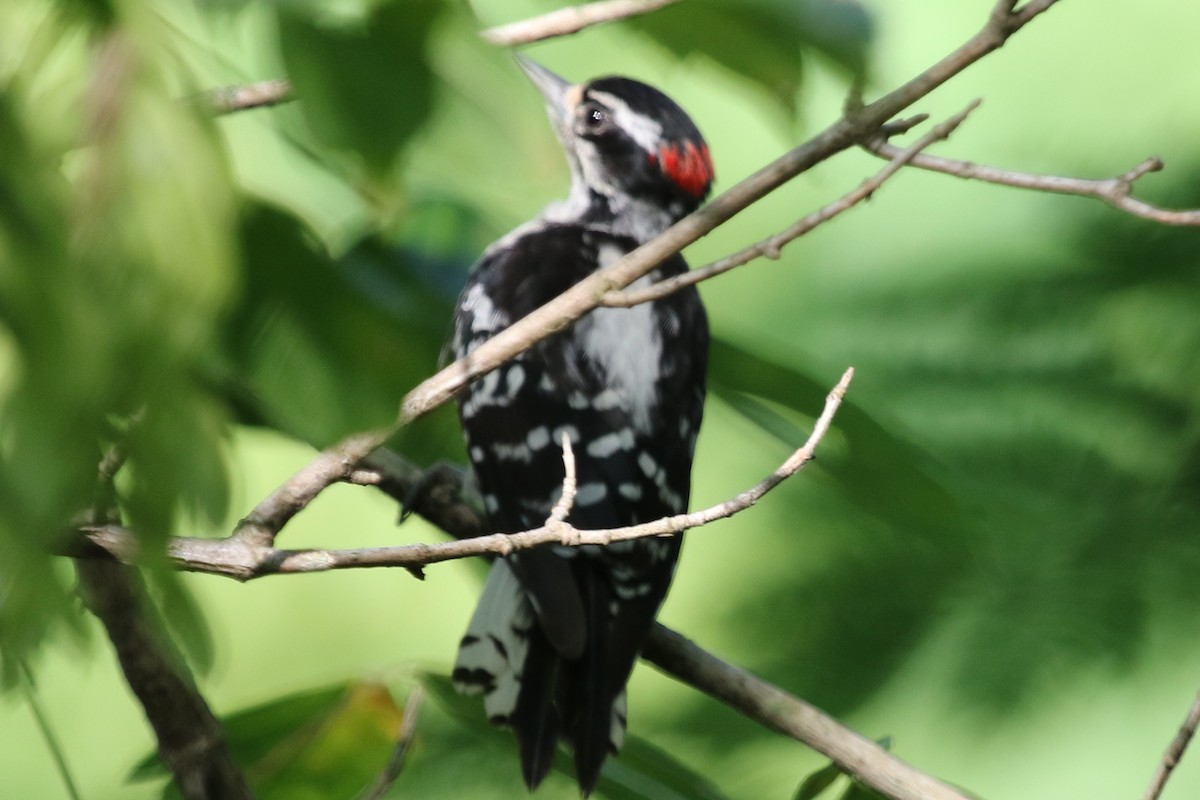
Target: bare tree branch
(776,709)
(245,559)
(1116,191)
(191,742)
(1174,752)
(228,99)
(771,246)
(566,21)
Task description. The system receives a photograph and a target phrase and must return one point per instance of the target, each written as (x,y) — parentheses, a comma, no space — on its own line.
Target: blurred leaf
(116,263)
(765,40)
(367,87)
(328,742)
(857,791)
(253,732)
(182,615)
(884,473)
(322,347)
(899,532)
(818,782)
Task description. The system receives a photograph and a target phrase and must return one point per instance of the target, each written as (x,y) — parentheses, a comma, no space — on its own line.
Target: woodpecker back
(557,630)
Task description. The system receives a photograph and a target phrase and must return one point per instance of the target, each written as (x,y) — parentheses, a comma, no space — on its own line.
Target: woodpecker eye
(594,119)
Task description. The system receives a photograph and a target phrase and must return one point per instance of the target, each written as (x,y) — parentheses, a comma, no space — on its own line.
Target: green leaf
(320,347)
(326,742)
(366,87)
(765,40)
(818,782)
(117,260)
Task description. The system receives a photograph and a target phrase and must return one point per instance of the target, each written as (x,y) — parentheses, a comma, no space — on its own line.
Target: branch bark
(191,742)
(1115,191)
(228,99)
(771,246)
(782,712)
(566,21)
(1174,752)
(246,558)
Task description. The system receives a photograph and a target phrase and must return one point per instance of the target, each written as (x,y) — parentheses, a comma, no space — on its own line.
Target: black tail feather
(592,695)
(535,719)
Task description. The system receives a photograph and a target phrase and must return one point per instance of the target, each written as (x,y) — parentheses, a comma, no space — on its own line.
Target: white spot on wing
(512,452)
(538,438)
(590,493)
(514,379)
(606,400)
(485,317)
(610,443)
(648,464)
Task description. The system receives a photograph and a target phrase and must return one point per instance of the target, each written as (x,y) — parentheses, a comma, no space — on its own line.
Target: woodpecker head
(633,152)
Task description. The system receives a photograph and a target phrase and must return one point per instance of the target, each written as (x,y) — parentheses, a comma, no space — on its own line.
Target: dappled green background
(993,561)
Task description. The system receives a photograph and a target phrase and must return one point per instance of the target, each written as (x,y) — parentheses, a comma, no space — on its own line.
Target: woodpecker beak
(558,93)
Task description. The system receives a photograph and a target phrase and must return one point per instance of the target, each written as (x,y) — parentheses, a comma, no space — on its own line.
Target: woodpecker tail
(528,686)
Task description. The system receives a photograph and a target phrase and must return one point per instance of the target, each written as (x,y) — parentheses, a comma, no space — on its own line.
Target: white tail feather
(492,654)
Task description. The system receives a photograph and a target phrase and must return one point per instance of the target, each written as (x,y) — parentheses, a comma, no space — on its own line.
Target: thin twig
(569,486)
(1115,191)
(228,99)
(404,737)
(782,712)
(1174,752)
(239,559)
(569,20)
(771,246)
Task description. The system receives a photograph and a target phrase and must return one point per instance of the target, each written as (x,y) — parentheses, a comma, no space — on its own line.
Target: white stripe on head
(643,130)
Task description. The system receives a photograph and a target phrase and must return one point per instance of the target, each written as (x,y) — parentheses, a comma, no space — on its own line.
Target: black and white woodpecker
(557,630)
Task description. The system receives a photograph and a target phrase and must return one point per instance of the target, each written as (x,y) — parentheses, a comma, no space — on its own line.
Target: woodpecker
(557,630)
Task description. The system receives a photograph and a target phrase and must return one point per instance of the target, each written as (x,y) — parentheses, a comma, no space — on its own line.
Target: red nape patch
(688,165)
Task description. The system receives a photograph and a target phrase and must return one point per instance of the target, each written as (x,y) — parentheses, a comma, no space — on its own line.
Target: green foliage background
(994,560)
